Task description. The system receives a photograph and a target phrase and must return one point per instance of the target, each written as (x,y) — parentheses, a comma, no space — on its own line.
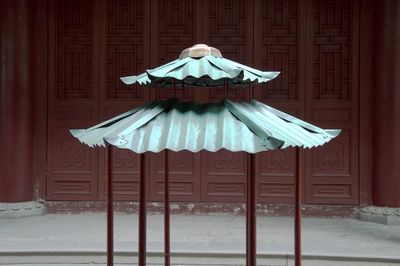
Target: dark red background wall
(315,43)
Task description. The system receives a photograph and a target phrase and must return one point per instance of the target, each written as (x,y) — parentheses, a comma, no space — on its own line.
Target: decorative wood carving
(223,176)
(227,23)
(332,170)
(176,31)
(227,28)
(184,171)
(332,60)
(176,28)
(71,167)
(124,47)
(280,48)
(74,55)
(276,171)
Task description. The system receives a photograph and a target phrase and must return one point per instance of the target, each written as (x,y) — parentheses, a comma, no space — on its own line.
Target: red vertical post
(142,211)
(386,107)
(225,89)
(17,90)
(110,215)
(166,213)
(297,215)
(251,251)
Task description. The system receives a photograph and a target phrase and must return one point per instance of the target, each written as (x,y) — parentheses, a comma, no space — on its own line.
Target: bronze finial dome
(200,50)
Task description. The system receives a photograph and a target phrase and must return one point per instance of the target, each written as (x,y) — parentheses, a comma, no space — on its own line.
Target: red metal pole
(297,221)
(110,215)
(225,89)
(251,251)
(142,211)
(166,213)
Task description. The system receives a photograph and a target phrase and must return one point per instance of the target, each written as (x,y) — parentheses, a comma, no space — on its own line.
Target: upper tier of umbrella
(201,65)
(170,124)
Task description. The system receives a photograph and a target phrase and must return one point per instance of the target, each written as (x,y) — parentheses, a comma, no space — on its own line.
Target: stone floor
(218,239)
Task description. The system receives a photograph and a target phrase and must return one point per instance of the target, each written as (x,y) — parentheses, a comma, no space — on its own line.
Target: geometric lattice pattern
(332,30)
(124,46)
(280,47)
(74,56)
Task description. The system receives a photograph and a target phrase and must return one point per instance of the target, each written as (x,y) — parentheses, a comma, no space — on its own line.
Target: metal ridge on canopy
(170,124)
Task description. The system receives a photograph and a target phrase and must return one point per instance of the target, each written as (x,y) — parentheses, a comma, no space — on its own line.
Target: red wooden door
(175,25)
(123,39)
(280,45)
(72,168)
(313,43)
(332,99)
(228,26)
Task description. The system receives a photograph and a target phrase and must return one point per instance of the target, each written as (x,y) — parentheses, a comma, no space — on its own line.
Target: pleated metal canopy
(173,125)
(201,65)
(170,124)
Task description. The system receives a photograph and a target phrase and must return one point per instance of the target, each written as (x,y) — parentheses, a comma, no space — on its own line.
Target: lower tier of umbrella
(170,124)
(173,125)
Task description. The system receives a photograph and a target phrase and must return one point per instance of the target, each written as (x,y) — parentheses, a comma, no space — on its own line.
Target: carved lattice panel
(125,51)
(184,176)
(276,171)
(332,49)
(226,26)
(74,57)
(223,176)
(126,167)
(332,174)
(332,170)
(333,158)
(71,166)
(177,22)
(280,49)
(176,30)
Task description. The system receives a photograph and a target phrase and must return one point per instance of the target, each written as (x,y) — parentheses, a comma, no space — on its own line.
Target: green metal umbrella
(174,125)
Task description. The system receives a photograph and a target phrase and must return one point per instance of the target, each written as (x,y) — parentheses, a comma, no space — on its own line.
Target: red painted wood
(123,50)
(279,45)
(251,213)
(366,101)
(174,27)
(40,84)
(332,100)
(72,168)
(166,212)
(386,95)
(142,211)
(184,176)
(17,91)
(297,209)
(110,213)
(223,176)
